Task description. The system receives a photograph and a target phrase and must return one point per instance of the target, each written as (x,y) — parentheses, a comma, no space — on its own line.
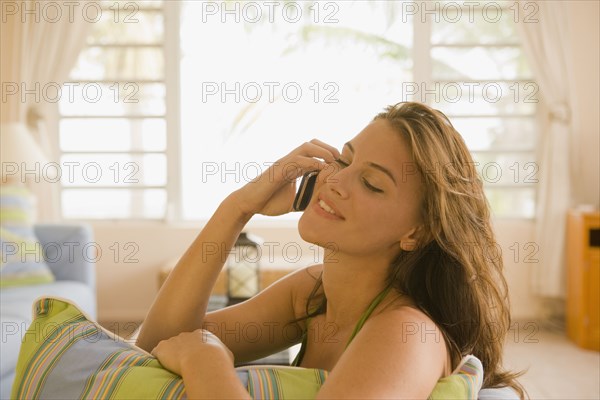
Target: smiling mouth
(325,207)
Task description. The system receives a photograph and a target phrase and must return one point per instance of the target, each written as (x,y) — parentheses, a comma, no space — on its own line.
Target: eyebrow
(372,164)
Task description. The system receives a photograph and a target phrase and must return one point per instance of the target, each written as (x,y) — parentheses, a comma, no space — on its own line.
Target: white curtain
(39,45)
(547,46)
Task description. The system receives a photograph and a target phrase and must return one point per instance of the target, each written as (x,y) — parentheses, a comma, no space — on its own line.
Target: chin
(312,232)
(306,229)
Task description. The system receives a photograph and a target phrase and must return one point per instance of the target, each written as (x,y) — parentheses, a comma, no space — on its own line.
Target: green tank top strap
(300,355)
(376,301)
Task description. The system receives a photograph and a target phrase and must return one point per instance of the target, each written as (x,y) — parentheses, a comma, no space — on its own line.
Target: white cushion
(17,301)
(505,393)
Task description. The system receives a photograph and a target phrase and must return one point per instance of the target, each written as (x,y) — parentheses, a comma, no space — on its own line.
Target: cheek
(386,221)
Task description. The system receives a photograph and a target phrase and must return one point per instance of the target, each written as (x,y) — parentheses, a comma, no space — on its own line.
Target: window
(483,83)
(112,130)
(259,78)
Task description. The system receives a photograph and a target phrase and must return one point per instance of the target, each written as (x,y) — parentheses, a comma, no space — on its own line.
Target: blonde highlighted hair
(452,275)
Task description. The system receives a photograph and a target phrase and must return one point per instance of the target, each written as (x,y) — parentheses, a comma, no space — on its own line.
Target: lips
(328,208)
(325,207)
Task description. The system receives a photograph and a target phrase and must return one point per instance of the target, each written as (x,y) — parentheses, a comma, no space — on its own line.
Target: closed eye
(371,187)
(365,182)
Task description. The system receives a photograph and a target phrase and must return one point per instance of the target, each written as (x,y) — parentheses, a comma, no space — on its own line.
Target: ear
(409,241)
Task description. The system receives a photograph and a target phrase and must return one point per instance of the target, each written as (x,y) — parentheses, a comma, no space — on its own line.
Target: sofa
(68,250)
(70,253)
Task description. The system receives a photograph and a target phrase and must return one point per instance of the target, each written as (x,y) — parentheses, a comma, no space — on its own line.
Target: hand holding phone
(305,190)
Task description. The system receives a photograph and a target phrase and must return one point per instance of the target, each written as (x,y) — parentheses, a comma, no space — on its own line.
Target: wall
(126,289)
(128,279)
(584,20)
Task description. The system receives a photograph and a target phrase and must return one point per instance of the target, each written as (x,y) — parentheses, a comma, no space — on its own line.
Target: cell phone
(305,190)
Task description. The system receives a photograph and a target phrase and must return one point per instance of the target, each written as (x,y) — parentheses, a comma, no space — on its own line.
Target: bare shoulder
(301,284)
(399,353)
(408,329)
(407,323)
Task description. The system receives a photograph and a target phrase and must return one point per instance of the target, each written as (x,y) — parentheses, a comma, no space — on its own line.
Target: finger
(297,166)
(333,150)
(157,350)
(317,151)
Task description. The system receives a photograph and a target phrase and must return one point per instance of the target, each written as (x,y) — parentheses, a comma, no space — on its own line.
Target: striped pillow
(65,355)
(464,383)
(22,261)
(284,382)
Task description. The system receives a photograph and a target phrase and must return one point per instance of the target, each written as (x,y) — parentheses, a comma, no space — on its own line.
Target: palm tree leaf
(337,35)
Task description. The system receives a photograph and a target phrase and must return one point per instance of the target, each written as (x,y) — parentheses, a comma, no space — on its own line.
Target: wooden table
(268,275)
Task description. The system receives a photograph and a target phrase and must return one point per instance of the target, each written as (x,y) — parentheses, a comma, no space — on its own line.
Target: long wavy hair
(454,275)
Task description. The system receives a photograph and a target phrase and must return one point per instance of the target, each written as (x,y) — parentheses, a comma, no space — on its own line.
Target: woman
(407,286)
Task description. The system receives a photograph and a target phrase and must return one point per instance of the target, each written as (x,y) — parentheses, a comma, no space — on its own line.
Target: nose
(335,180)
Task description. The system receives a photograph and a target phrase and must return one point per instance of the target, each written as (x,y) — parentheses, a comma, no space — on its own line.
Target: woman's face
(370,200)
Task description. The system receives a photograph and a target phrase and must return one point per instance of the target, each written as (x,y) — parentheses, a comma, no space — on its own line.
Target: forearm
(181,303)
(216,379)
(182,300)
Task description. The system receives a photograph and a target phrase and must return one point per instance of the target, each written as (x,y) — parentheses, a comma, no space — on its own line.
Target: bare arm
(397,355)
(265,324)
(182,301)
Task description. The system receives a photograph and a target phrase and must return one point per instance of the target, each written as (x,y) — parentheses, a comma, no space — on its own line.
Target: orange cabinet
(583,278)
